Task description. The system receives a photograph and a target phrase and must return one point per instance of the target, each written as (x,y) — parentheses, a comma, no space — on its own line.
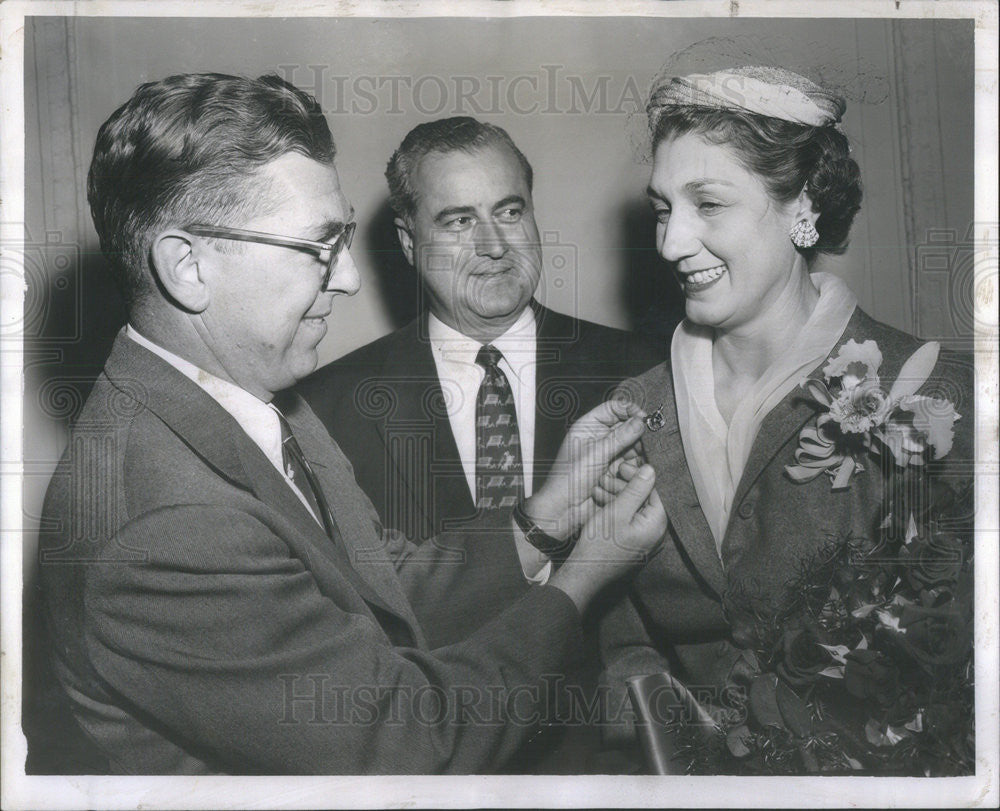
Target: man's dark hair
(189,149)
(445,135)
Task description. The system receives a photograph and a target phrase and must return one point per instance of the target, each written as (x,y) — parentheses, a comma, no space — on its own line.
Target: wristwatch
(536,536)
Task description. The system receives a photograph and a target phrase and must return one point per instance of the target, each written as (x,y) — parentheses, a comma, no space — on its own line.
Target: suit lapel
(211,432)
(369,566)
(410,372)
(665,451)
(554,333)
(786,419)
(779,427)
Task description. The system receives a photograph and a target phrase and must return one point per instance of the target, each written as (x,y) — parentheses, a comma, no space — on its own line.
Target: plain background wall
(541,79)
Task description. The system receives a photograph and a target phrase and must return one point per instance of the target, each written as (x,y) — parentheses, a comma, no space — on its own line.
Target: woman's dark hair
(787,156)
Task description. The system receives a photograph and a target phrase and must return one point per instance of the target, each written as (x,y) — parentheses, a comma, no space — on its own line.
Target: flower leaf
(838,652)
(820,393)
(738,740)
(833,672)
(904,441)
(915,371)
(793,710)
(890,621)
(878,737)
(764,702)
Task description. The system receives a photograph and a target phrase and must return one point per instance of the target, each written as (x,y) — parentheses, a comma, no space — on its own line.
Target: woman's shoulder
(649,389)
(896,347)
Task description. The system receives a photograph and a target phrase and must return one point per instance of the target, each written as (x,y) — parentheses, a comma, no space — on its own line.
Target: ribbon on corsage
(860,417)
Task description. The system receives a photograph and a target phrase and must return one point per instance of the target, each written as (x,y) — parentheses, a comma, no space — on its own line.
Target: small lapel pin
(654,421)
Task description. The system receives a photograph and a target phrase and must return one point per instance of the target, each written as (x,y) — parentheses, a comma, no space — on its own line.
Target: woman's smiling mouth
(698,280)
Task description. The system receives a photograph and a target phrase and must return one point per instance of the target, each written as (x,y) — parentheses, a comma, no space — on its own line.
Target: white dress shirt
(460,377)
(258,419)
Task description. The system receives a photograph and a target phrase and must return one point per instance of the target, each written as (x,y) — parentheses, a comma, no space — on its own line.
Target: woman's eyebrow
(694,185)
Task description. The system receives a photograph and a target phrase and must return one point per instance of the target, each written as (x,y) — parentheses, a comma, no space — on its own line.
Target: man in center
(462,410)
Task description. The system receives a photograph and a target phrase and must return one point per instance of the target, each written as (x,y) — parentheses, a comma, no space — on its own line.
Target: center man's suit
(385,407)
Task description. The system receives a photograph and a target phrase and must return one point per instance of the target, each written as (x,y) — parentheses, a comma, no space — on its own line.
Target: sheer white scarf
(717,453)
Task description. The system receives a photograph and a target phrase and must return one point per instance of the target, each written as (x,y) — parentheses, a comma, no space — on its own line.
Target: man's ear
(405,238)
(176,266)
(803,207)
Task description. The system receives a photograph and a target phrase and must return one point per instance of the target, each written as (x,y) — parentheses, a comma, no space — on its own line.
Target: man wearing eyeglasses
(220,594)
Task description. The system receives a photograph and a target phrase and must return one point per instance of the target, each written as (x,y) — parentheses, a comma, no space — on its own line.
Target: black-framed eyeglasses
(326,252)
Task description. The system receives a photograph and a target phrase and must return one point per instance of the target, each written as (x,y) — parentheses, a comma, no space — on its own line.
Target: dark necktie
(299,471)
(499,483)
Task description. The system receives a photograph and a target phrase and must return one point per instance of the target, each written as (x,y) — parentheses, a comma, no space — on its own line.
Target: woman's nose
(677,238)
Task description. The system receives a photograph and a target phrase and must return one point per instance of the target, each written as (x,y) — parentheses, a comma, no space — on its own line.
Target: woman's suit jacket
(681,615)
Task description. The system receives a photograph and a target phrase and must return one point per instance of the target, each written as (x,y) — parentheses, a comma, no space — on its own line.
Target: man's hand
(565,502)
(618,474)
(619,536)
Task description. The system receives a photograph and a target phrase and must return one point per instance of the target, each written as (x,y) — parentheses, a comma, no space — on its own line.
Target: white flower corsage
(860,417)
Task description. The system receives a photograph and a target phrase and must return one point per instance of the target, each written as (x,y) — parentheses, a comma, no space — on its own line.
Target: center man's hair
(461,133)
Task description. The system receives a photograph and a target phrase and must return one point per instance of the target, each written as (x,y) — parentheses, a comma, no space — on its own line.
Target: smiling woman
(767,559)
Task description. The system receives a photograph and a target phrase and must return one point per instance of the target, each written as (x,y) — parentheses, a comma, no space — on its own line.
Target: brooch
(654,421)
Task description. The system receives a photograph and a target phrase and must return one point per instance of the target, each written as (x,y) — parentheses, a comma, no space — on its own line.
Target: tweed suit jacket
(683,612)
(203,622)
(384,406)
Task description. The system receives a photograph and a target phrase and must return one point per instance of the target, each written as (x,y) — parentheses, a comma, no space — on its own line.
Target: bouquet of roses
(866,663)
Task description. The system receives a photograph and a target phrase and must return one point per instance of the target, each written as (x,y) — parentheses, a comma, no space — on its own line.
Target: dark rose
(904,708)
(935,636)
(803,658)
(932,561)
(870,675)
(945,719)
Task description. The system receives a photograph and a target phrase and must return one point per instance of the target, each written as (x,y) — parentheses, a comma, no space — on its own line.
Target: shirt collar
(257,418)
(517,344)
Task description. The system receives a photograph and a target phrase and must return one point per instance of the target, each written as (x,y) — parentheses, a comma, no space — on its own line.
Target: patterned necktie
(299,471)
(499,483)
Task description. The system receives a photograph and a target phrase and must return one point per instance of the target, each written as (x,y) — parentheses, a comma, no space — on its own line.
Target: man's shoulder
(598,342)
(325,387)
